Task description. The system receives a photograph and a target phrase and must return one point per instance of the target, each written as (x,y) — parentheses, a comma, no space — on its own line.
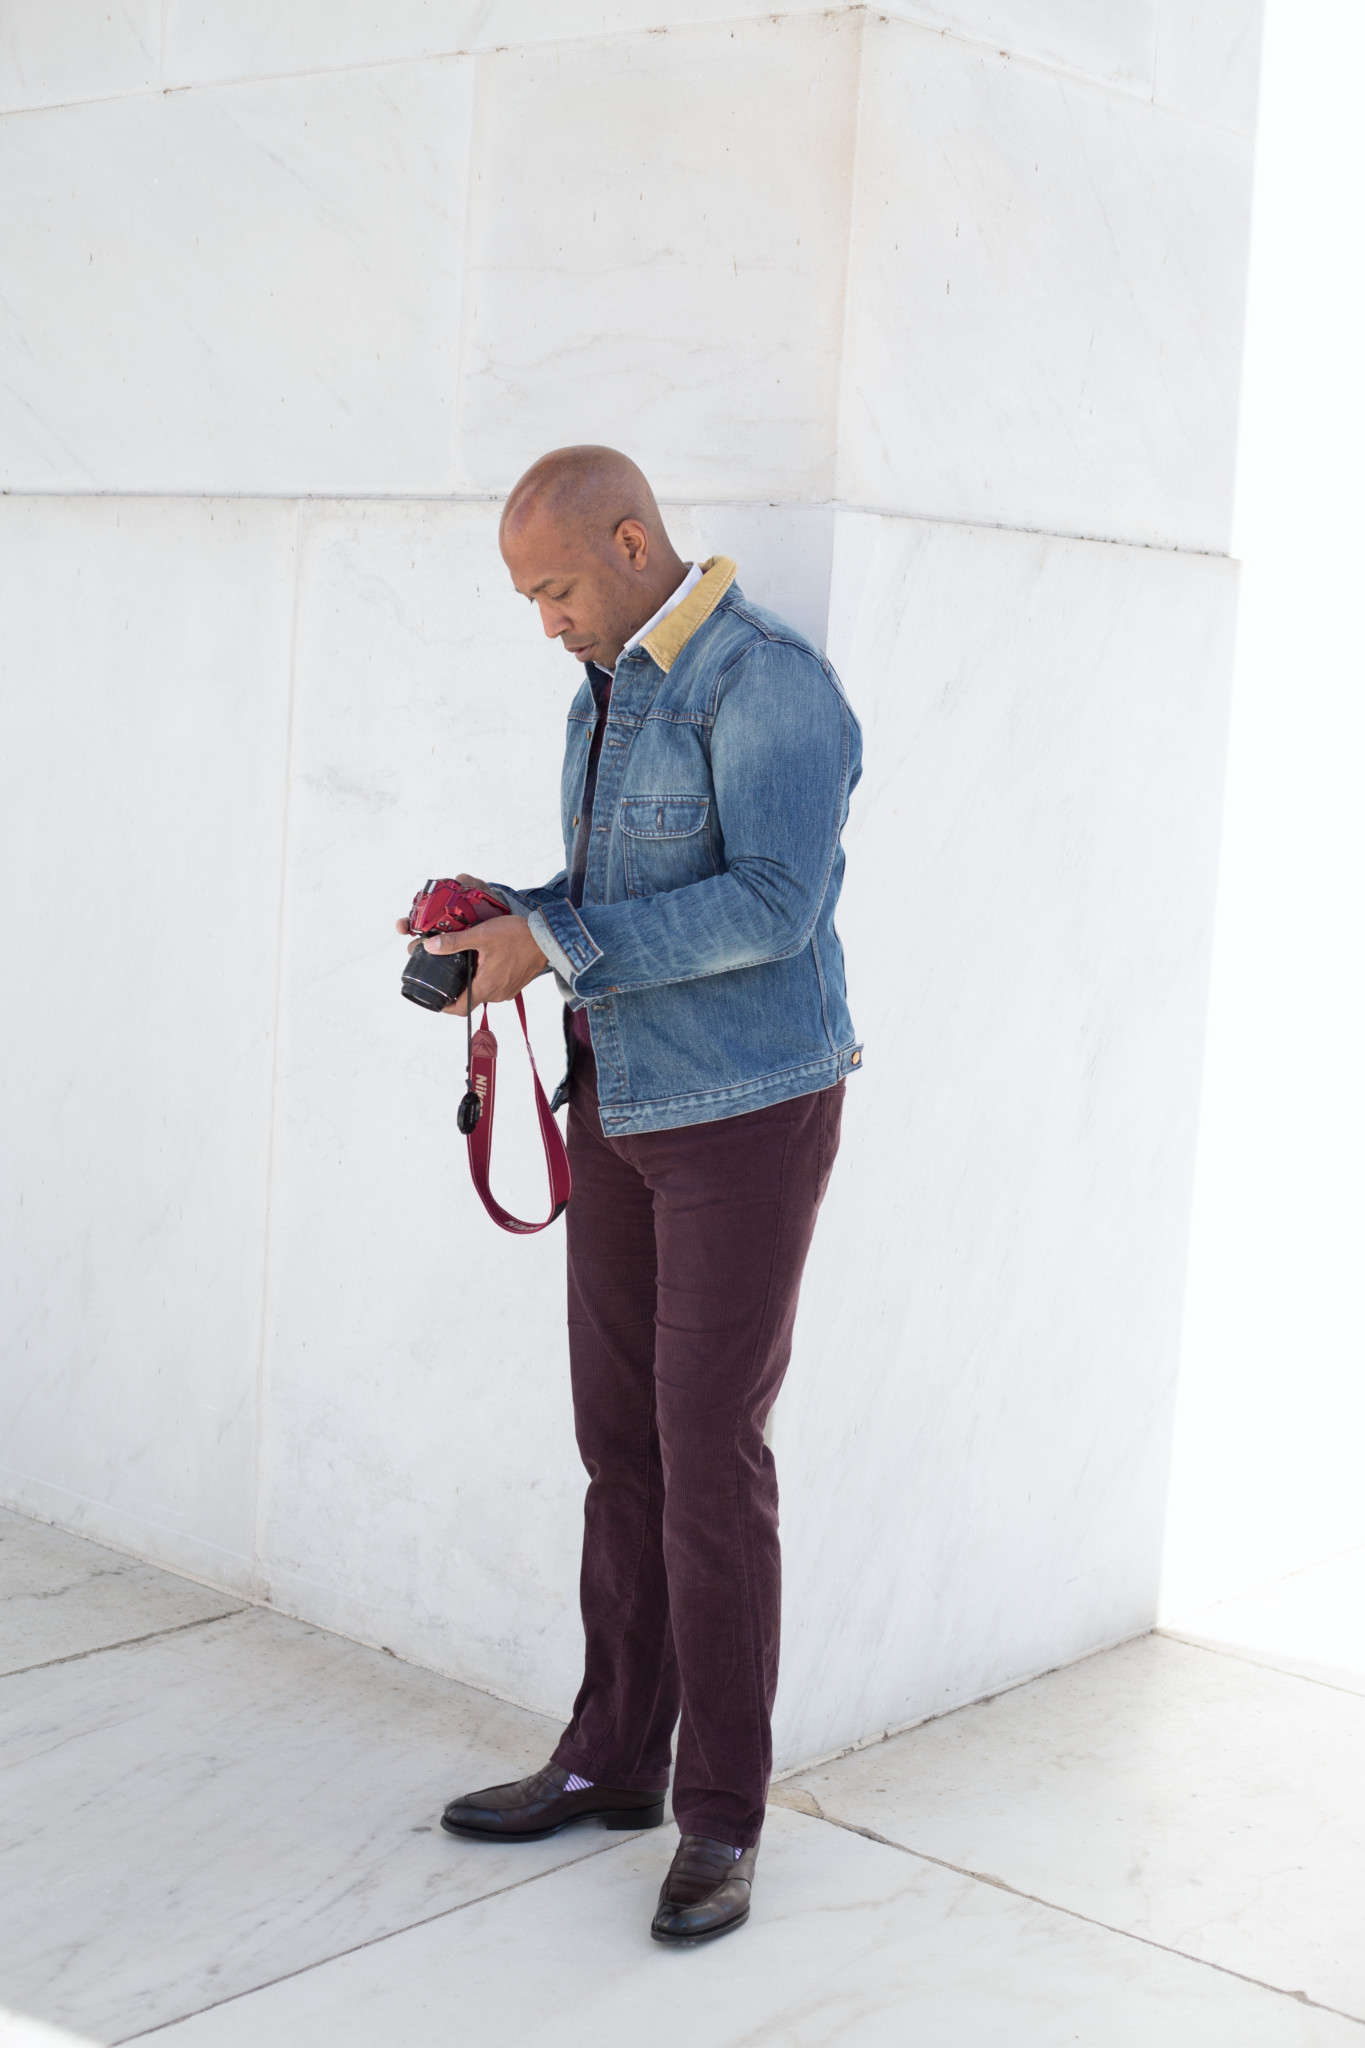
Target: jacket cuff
(545,936)
(572,938)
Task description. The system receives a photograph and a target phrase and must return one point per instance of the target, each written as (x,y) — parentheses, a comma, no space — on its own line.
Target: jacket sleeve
(784,757)
(522,902)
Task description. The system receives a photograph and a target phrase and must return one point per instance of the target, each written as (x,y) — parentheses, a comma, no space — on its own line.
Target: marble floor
(218,1832)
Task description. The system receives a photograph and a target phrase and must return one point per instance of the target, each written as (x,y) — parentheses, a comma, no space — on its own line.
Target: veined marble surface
(849,1942)
(192,1816)
(1045,301)
(144,726)
(235,1822)
(246,288)
(993,1295)
(62,1596)
(1241,1847)
(583,315)
(1022,307)
(421,1483)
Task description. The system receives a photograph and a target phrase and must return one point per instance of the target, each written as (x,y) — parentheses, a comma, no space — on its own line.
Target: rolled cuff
(540,931)
(565,940)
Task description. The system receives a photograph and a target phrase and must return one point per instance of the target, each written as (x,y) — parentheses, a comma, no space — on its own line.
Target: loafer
(537,1806)
(706,1892)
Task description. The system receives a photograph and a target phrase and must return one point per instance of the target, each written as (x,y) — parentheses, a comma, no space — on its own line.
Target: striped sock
(573,1783)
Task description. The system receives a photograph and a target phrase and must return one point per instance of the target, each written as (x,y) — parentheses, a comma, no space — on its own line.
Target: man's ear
(633,541)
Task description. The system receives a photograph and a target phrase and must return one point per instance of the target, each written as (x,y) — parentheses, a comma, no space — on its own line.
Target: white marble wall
(931,316)
(145,710)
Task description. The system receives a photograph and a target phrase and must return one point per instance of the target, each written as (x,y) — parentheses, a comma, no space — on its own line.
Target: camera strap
(483,1076)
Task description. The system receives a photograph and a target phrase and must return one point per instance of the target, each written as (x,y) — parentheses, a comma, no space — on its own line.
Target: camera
(435,979)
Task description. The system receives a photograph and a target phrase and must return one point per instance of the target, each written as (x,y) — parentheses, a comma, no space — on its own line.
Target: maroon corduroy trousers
(685,1255)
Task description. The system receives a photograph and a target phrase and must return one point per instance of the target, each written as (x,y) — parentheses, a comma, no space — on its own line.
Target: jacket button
(575,818)
(856,1060)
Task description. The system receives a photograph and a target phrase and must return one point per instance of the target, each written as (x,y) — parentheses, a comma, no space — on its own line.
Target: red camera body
(446,907)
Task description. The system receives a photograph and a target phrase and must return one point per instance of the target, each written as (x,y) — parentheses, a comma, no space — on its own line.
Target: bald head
(582,536)
(587,491)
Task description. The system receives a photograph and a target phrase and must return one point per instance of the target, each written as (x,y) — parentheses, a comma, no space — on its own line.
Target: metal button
(857,1059)
(575,817)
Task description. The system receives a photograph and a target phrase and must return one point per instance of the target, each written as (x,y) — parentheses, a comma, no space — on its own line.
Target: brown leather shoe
(538,1806)
(706,1892)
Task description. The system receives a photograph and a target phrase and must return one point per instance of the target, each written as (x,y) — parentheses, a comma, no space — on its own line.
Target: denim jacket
(705,952)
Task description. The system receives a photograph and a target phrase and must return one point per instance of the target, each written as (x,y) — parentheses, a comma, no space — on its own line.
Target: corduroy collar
(667,641)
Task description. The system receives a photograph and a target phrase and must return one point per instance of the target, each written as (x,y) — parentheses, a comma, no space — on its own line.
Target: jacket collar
(667,641)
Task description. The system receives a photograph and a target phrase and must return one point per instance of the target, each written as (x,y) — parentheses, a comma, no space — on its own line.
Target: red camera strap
(483,1077)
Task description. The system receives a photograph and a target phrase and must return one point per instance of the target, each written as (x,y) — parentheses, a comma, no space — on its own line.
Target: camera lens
(435,979)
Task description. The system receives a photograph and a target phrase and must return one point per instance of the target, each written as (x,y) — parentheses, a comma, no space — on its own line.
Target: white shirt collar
(684,589)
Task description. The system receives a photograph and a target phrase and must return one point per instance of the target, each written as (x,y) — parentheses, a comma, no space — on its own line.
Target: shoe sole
(615,1819)
(696,1940)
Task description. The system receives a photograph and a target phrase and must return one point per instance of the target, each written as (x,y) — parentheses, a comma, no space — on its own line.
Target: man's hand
(509,957)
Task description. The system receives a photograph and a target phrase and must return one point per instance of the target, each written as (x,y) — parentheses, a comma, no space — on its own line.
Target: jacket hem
(710,1105)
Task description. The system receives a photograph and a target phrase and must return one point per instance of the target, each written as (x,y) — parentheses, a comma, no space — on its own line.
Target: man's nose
(553,620)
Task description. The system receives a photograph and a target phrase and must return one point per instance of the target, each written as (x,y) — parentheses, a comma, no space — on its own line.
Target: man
(711,753)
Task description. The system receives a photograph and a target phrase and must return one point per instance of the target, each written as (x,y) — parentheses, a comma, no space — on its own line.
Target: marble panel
(684,294)
(422,1484)
(1311,1623)
(81,50)
(849,1941)
(1045,301)
(1208,60)
(1190,1798)
(253,1796)
(143,729)
(62,1596)
(254,288)
(1108,39)
(973,1437)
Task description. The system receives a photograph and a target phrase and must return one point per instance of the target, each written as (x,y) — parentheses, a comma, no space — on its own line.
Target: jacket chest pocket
(667,842)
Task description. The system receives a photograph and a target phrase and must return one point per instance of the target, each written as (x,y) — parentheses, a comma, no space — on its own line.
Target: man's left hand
(509,958)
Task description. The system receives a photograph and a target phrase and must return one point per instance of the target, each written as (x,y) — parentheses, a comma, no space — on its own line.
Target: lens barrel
(435,979)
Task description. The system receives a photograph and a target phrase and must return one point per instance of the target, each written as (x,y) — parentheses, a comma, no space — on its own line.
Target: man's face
(590,599)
